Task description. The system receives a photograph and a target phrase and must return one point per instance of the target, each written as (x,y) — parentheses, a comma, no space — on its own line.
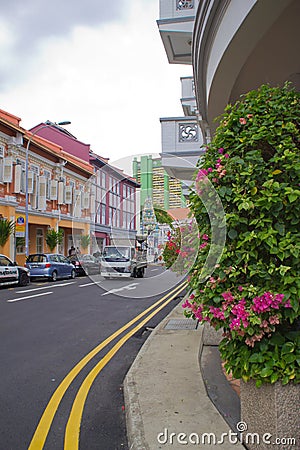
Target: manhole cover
(181,324)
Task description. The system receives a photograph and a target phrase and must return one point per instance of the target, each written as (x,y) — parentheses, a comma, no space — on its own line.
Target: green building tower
(164,191)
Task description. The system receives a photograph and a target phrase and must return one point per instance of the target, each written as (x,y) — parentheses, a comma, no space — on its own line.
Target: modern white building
(234,46)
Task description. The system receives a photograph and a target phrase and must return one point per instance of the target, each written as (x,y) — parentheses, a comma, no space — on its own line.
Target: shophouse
(58,192)
(113,193)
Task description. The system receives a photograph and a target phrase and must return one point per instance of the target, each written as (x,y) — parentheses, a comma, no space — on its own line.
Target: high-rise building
(165,191)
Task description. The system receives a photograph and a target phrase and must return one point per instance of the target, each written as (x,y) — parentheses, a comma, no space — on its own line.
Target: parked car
(50,265)
(11,273)
(85,264)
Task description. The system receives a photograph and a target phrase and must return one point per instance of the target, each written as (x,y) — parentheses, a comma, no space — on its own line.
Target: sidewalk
(165,392)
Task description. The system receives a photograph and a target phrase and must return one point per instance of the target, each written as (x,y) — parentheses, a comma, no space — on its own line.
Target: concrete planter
(270,415)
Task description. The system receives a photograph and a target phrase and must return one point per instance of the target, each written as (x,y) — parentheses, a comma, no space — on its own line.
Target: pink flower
(201,174)
(209,169)
(228,296)
(235,324)
(205,237)
(226,155)
(186,304)
(221,150)
(243,121)
(203,245)
(192,296)
(249,116)
(240,288)
(274,320)
(288,304)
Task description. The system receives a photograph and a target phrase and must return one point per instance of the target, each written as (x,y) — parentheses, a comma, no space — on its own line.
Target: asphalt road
(46,329)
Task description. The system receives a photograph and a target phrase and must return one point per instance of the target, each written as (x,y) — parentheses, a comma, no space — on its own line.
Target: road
(65,350)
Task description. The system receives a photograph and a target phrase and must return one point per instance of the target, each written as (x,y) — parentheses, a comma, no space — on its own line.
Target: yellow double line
(73,425)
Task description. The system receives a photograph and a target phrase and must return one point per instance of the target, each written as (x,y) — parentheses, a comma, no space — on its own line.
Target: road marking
(45,287)
(128,287)
(153,270)
(74,422)
(28,296)
(42,430)
(87,284)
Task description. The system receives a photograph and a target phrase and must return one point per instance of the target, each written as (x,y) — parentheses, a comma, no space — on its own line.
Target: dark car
(50,265)
(85,264)
(11,273)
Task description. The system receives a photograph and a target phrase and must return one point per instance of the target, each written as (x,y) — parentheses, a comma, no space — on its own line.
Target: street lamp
(47,124)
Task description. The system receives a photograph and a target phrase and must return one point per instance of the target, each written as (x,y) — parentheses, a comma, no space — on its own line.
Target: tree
(7,227)
(54,238)
(85,241)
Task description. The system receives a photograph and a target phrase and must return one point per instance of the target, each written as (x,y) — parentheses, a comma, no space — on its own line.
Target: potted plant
(54,238)
(253,166)
(85,241)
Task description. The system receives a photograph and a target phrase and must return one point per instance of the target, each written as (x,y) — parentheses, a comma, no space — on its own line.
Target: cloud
(35,19)
(27,25)
(112,81)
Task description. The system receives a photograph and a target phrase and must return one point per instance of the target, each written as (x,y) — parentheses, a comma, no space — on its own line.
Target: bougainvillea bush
(253,164)
(180,249)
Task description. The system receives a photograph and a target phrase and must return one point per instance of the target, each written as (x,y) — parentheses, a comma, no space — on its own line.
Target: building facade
(234,47)
(58,193)
(113,193)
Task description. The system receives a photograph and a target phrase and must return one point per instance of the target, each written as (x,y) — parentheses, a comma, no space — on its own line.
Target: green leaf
(274,377)
(258,383)
(266,372)
(288,347)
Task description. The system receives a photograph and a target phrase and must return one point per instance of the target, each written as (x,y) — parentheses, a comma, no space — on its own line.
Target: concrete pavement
(166,400)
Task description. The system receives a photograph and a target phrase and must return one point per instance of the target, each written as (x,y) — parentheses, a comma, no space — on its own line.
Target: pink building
(113,193)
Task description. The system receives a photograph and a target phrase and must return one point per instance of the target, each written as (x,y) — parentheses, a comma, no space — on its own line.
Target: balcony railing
(181,146)
(188,99)
(176,23)
(171,9)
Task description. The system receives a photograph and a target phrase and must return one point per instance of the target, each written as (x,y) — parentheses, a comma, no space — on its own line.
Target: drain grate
(181,324)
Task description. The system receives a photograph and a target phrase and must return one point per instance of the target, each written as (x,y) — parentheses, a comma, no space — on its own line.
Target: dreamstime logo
(89,212)
(207,438)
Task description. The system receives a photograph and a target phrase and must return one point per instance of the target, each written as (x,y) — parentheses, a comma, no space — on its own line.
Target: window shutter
(7,170)
(30,182)
(68,193)
(86,200)
(61,192)
(18,178)
(93,203)
(77,210)
(42,194)
(53,190)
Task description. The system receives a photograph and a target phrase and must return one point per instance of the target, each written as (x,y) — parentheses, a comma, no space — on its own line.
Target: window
(39,240)
(47,176)
(5,261)
(103,215)
(1,161)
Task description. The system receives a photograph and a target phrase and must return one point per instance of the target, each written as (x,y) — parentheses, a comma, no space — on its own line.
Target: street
(73,336)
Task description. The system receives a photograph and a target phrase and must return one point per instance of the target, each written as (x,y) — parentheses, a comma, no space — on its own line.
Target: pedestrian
(72,251)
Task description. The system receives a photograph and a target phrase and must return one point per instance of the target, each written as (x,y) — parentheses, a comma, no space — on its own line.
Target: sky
(100,65)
